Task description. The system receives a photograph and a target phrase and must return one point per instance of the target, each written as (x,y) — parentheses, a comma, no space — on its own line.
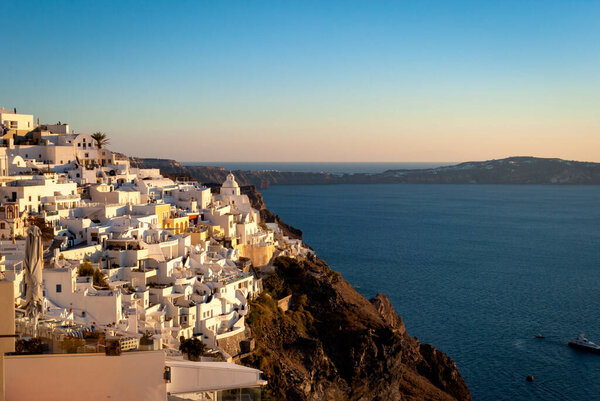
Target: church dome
(230,182)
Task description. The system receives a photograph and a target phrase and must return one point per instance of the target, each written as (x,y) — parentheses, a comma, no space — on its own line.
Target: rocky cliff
(513,170)
(334,344)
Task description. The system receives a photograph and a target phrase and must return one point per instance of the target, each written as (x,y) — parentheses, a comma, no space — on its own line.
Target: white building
(30,193)
(14,121)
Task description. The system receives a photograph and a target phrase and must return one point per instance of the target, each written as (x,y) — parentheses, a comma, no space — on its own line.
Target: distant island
(512,170)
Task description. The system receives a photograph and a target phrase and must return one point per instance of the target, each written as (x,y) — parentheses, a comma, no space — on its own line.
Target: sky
(312,80)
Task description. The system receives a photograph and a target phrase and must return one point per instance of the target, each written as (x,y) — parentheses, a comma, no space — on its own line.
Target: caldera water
(476,270)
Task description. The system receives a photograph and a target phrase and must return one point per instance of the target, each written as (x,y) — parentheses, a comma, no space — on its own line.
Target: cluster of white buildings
(171,259)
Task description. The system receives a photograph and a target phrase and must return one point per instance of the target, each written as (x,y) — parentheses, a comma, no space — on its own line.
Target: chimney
(15,109)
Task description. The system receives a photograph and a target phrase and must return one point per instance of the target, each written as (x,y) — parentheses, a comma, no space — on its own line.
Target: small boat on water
(540,336)
(584,344)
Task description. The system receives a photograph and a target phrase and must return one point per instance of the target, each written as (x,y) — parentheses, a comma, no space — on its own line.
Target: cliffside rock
(333,344)
(439,368)
(384,307)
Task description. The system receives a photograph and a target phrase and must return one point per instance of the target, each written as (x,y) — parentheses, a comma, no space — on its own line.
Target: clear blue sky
(312,81)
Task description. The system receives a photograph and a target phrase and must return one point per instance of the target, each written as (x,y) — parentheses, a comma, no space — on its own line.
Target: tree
(101,140)
(98,278)
(193,347)
(86,268)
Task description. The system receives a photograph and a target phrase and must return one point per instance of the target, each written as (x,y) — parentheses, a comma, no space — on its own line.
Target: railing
(66,197)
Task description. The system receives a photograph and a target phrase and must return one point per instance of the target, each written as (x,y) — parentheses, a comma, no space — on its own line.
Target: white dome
(230,182)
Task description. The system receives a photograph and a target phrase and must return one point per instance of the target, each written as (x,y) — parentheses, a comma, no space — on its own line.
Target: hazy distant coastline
(322,167)
(512,170)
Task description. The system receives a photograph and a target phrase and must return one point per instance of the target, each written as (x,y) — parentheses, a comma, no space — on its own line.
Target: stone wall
(284,303)
(231,345)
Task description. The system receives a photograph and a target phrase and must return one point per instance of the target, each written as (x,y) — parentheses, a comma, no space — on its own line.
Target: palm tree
(101,140)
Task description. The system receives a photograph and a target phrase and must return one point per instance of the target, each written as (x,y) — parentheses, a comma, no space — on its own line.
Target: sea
(329,167)
(476,270)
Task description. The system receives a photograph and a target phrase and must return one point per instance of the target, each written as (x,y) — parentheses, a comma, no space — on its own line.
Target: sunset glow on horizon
(313,81)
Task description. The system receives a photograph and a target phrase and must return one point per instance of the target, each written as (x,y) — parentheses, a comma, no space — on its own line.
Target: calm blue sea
(475,270)
(332,167)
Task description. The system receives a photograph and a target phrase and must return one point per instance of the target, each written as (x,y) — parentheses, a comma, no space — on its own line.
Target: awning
(190,377)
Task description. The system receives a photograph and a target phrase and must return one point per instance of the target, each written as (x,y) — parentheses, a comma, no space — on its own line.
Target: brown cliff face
(333,344)
(384,307)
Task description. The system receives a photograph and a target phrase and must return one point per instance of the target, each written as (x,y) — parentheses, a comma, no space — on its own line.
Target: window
(87,155)
(26,155)
(78,144)
(2,226)
(39,198)
(30,198)
(58,287)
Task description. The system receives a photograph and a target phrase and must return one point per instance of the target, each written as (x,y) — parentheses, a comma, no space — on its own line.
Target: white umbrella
(34,262)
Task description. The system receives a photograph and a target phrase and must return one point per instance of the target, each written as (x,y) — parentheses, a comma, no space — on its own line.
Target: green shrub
(193,347)
(87,270)
(262,310)
(71,344)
